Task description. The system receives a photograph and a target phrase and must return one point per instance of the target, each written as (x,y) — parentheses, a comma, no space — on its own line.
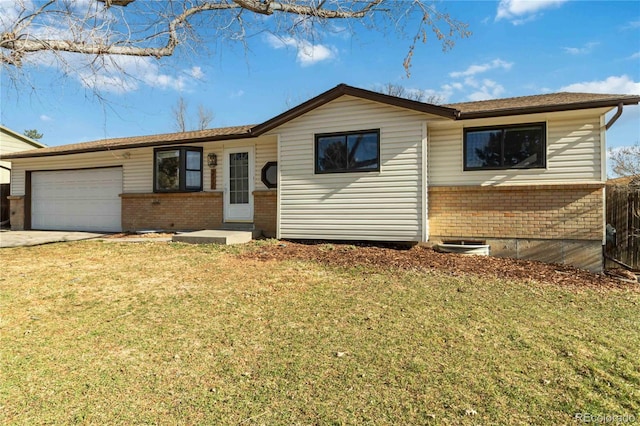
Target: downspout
(604,194)
(615,116)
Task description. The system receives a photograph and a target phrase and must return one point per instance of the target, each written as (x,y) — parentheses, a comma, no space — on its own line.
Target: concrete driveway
(34,238)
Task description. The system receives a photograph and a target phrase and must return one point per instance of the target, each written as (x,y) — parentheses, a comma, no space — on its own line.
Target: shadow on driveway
(35,238)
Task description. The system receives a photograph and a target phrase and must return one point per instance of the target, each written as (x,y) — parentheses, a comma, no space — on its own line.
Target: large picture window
(348,152)
(177,169)
(507,147)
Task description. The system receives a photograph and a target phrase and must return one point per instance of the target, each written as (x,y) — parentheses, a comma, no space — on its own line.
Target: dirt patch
(426,259)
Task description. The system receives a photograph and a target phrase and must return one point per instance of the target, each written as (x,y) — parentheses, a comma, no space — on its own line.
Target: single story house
(525,174)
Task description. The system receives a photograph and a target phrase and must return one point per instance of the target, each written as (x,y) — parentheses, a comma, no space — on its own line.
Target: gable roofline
(553,102)
(23,138)
(344,89)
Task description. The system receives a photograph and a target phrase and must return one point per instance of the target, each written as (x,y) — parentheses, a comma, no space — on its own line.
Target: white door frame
(238,212)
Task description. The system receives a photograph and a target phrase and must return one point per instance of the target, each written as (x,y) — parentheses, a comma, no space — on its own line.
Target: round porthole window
(269,174)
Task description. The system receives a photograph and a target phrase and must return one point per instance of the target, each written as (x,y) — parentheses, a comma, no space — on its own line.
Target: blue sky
(516,48)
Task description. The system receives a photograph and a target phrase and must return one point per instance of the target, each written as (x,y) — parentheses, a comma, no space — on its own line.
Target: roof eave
(37,153)
(549,108)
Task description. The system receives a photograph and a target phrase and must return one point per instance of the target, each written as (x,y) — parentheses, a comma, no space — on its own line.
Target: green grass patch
(104,333)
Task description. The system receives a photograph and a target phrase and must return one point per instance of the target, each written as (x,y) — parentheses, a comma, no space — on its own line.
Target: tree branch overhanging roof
(552,102)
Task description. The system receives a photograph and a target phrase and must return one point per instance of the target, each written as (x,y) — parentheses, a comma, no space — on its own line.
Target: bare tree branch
(412,94)
(100,29)
(180,115)
(180,120)
(205,116)
(625,161)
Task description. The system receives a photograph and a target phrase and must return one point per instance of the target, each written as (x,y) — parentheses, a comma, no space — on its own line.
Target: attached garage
(77,200)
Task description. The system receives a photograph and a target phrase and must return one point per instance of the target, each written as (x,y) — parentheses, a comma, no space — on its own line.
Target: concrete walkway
(34,238)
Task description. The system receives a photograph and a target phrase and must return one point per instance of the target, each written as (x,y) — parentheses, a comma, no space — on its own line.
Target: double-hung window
(347,152)
(506,147)
(177,169)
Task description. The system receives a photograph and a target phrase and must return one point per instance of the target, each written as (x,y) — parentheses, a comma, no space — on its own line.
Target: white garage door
(77,200)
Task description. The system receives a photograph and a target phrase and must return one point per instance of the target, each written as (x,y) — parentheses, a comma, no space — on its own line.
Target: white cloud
(632,25)
(115,73)
(614,84)
(474,88)
(488,89)
(195,72)
(45,117)
(634,56)
(587,48)
(477,69)
(237,94)
(307,52)
(521,11)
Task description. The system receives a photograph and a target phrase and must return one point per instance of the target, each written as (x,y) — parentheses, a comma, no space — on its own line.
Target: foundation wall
(549,223)
(265,204)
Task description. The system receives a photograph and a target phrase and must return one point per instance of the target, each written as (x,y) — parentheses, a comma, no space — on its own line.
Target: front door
(238,184)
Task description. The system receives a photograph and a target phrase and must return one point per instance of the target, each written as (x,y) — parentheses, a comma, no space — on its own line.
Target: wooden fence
(623,213)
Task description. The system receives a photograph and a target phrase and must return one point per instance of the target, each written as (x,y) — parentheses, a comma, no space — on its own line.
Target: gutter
(615,116)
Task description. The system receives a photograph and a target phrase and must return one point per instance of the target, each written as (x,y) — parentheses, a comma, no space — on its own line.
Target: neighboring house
(525,174)
(10,141)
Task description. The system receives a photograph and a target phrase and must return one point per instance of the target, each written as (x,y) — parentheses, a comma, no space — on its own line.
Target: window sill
(200,194)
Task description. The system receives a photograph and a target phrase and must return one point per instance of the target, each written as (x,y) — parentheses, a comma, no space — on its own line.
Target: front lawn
(102,333)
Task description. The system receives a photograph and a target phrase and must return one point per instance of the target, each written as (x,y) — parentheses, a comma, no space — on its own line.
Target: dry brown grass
(103,333)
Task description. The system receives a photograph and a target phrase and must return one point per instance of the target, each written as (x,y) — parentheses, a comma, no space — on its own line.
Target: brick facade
(265,205)
(16,212)
(549,223)
(172,211)
(554,212)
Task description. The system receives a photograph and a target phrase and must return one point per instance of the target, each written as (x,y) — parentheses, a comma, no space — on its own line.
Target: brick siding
(265,204)
(16,212)
(551,212)
(174,211)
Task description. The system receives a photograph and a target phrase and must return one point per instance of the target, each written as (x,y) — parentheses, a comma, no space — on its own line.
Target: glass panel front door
(238,175)
(239,178)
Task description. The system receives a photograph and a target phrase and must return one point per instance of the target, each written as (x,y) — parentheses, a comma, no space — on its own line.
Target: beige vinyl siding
(9,144)
(265,149)
(573,152)
(137,169)
(384,205)
(137,164)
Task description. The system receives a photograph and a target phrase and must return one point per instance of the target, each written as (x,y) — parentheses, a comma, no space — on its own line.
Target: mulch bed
(422,258)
